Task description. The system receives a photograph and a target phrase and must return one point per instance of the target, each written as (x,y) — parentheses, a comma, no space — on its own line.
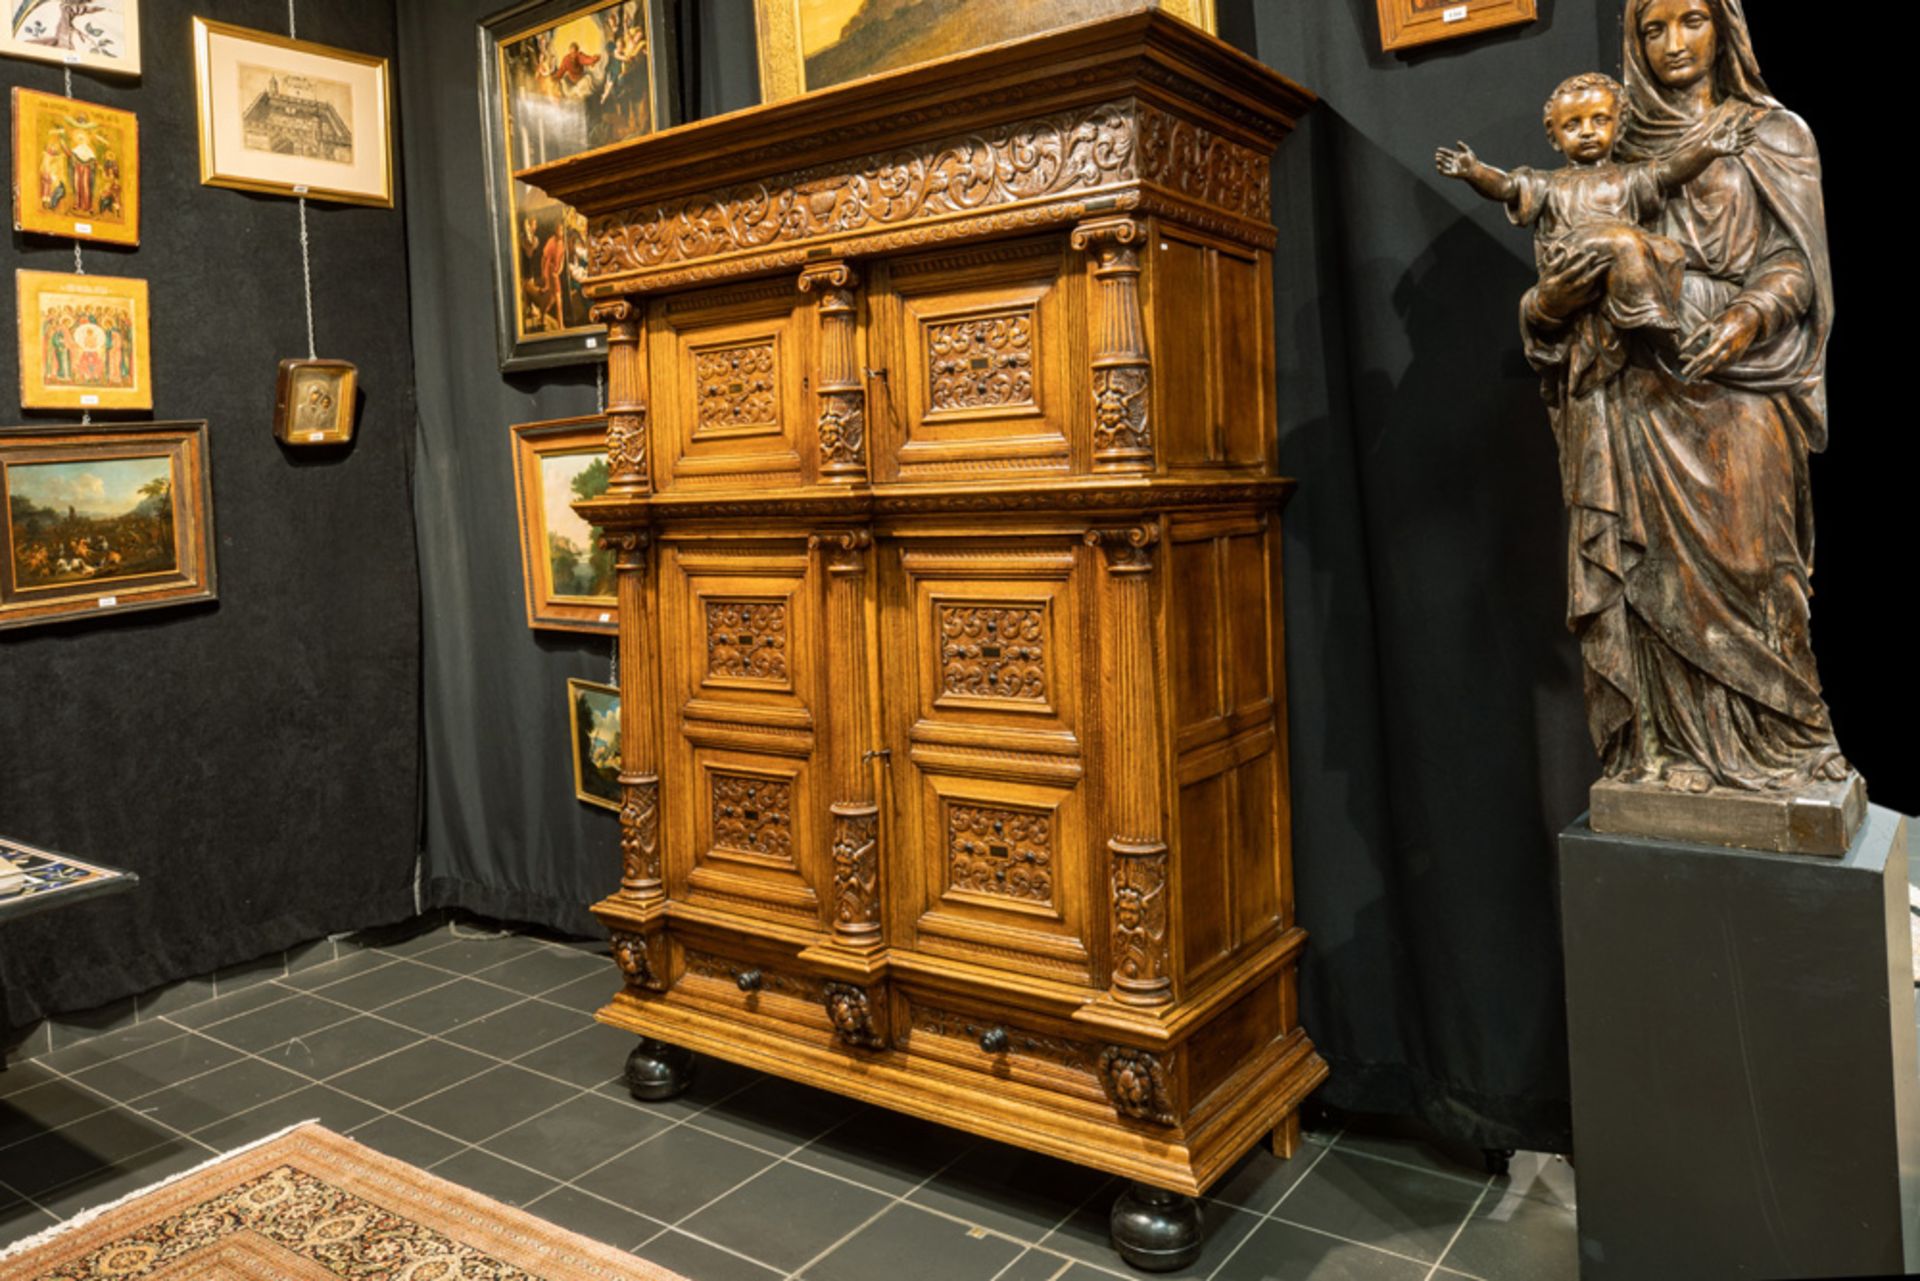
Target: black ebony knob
(750,980)
(993,1040)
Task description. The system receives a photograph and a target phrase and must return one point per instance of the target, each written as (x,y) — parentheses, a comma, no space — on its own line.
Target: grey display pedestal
(1746,1080)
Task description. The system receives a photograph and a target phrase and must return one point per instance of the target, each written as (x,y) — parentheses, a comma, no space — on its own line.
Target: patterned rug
(312,1206)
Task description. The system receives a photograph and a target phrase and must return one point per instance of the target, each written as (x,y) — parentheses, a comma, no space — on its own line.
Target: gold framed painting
(104,519)
(593,722)
(292,118)
(83,342)
(1407,24)
(559,77)
(569,576)
(815,44)
(76,169)
(313,402)
(99,35)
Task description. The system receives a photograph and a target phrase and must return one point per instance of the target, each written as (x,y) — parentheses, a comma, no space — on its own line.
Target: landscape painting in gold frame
(103,519)
(1407,24)
(83,342)
(76,169)
(593,723)
(292,118)
(569,576)
(814,44)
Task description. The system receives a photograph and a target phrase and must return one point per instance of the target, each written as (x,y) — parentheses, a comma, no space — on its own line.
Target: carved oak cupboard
(947,519)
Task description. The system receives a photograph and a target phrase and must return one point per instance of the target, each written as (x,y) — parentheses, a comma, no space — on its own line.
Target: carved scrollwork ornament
(1129,550)
(846,550)
(614,313)
(851,1012)
(1136,1081)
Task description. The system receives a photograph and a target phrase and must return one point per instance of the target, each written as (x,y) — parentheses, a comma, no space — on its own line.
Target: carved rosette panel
(640,832)
(1136,1081)
(635,955)
(1074,1056)
(982,362)
(753,815)
(993,652)
(851,1012)
(737,387)
(747,640)
(1140,970)
(856,870)
(1120,410)
(1002,853)
(1038,159)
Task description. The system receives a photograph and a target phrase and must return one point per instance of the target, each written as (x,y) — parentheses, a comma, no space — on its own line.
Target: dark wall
(255,760)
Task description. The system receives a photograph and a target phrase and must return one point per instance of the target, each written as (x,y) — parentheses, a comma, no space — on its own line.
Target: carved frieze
(993,652)
(1136,1081)
(981,362)
(1002,853)
(737,387)
(753,815)
(1181,156)
(747,640)
(851,1012)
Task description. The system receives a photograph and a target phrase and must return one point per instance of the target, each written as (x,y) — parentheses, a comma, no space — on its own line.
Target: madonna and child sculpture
(1680,326)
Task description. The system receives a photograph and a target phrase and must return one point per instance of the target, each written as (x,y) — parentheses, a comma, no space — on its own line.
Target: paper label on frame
(108,602)
(606,618)
(1457,13)
(83,229)
(89,398)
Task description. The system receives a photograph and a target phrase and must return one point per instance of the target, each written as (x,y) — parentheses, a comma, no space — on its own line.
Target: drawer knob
(993,1040)
(750,980)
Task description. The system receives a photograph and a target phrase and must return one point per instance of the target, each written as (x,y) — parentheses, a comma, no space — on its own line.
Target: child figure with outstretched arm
(1593,209)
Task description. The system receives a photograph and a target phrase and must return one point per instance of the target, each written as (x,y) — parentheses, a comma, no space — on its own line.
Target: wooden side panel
(1180,311)
(729,372)
(1210,315)
(1243,356)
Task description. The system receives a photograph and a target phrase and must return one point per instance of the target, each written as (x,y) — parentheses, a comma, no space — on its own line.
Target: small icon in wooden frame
(314,403)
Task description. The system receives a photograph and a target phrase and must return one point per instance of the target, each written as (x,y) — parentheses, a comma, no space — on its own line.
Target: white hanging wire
(306,255)
(293,30)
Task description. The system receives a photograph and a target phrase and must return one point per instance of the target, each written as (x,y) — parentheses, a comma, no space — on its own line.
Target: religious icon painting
(1406,24)
(813,44)
(559,77)
(104,519)
(569,575)
(98,35)
(292,118)
(593,712)
(83,342)
(76,169)
(313,402)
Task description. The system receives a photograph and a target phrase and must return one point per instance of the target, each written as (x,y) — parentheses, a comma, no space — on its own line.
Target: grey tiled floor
(478,1058)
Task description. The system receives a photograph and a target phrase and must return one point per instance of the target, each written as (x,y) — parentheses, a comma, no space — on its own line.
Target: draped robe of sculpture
(1692,530)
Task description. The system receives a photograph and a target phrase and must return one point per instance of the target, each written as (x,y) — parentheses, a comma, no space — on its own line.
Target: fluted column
(843,396)
(627,462)
(856,815)
(1142,974)
(1122,369)
(641,879)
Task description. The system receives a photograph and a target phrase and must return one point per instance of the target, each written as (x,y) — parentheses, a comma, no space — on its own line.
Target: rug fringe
(87,1216)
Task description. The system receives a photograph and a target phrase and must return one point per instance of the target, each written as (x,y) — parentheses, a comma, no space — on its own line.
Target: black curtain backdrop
(255,760)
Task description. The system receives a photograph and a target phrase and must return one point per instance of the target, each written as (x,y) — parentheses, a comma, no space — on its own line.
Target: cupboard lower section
(1173,1109)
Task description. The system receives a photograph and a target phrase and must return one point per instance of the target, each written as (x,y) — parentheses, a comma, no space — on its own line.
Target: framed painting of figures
(559,77)
(83,342)
(104,519)
(569,576)
(593,718)
(100,35)
(76,169)
(292,118)
(814,44)
(1407,24)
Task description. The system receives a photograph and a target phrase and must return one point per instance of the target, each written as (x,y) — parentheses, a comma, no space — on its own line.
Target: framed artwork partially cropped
(1406,24)
(104,519)
(292,118)
(559,77)
(99,35)
(313,402)
(593,714)
(569,576)
(814,44)
(76,169)
(83,342)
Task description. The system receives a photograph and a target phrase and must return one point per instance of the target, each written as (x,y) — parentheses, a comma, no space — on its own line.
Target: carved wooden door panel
(986,710)
(740,676)
(729,369)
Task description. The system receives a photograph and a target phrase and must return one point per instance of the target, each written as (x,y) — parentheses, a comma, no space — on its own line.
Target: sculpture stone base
(1823,818)
(1746,1072)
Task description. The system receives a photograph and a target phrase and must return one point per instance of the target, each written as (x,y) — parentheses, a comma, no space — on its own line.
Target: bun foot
(1155,1230)
(657,1071)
